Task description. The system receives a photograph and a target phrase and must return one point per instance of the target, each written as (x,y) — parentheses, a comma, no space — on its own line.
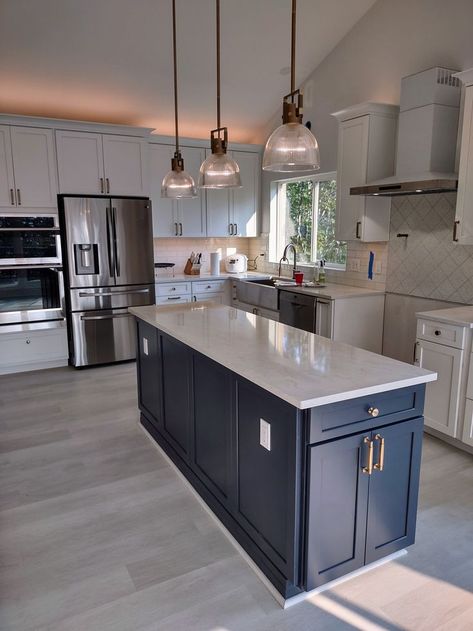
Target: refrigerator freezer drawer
(111,297)
(102,337)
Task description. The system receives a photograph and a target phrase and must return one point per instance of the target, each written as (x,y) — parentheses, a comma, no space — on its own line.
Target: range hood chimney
(427,137)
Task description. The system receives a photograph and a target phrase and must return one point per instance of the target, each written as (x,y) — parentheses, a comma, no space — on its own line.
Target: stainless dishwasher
(297,310)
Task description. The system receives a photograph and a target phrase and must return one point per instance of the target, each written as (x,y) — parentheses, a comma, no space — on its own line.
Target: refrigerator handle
(114,232)
(111,261)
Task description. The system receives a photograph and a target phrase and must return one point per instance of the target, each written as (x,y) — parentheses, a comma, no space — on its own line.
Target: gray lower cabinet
(332,490)
(357,515)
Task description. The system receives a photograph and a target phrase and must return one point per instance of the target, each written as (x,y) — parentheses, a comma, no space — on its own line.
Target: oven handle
(88,294)
(107,317)
(27,266)
(51,230)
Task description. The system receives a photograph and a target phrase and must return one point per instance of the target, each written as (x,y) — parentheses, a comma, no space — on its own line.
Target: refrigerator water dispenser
(86,258)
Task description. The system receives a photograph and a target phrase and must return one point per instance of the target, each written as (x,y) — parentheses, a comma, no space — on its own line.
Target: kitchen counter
(304,369)
(222,276)
(308,451)
(333,291)
(462,316)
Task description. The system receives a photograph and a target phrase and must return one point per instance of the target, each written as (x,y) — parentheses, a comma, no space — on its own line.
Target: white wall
(393,39)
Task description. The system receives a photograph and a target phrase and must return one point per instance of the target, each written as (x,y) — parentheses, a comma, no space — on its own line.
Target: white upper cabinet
(27,168)
(246,200)
(7,182)
(235,212)
(463,231)
(101,164)
(80,162)
(125,162)
(175,217)
(366,152)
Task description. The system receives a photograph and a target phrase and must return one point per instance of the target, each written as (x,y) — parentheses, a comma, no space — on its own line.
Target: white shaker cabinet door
(80,162)
(125,164)
(245,200)
(463,232)
(218,213)
(468,423)
(442,397)
(192,210)
(165,221)
(7,182)
(34,167)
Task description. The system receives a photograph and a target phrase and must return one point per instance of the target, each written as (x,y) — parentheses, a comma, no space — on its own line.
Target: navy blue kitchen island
(308,451)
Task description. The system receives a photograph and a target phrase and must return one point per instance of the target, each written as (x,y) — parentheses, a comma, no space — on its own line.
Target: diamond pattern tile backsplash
(428,263)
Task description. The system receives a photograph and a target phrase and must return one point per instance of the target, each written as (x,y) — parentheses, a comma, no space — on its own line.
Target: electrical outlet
(354,265)
(265,434)
(378,267)
(145,346)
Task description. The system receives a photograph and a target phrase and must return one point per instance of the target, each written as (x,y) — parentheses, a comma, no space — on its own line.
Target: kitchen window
(303,213)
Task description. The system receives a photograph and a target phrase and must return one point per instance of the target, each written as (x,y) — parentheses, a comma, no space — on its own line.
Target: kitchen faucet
(284,258)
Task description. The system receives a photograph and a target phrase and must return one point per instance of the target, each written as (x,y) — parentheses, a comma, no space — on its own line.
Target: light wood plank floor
(98,533)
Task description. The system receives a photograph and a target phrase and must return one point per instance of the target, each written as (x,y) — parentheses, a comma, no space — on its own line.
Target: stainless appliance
(427,137)
(109,266)
(297,310)
(31,284)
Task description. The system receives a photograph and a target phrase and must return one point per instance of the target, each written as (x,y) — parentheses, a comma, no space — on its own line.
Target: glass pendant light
(292,147)
(219,170)
(177,183)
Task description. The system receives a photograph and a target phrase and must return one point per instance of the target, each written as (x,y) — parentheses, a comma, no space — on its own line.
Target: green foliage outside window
(300,203)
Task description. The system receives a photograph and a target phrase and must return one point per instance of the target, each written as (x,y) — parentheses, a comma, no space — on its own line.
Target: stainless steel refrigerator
(109,266)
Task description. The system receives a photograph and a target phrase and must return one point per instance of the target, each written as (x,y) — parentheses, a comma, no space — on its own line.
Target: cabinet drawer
(33,346)
(171,289)
(442,333)
(170,300)
(348,417)
(211,286)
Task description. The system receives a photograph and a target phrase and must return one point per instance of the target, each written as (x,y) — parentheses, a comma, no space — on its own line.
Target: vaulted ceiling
(110,60)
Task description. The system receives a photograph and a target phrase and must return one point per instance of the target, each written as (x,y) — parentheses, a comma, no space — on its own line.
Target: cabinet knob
(373,412)
(438,332)
(28,341)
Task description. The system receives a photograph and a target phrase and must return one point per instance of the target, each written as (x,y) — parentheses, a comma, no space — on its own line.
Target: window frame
(278,219)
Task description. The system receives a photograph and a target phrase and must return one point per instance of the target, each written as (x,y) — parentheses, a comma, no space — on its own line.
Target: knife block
(192,269)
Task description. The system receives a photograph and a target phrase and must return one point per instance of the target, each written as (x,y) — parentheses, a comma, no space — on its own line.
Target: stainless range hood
(427,137)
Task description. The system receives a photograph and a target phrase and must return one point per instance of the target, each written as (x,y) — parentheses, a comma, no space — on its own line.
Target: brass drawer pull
(369,468)
(379,466)
(374,412)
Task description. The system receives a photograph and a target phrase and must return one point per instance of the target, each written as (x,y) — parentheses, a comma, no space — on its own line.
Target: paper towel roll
(214,263)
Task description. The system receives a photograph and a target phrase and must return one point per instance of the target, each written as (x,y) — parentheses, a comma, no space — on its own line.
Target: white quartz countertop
(333,291)
(177,278)
(462,316)
(304,369)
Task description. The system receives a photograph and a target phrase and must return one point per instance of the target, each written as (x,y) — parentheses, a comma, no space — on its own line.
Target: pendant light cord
(174,50)
(218,61)
(293,47)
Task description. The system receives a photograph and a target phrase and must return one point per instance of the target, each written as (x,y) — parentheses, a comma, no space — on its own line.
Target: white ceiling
(110,60)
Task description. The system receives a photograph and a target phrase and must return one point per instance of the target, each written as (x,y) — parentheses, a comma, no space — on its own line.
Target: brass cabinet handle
(374,412)
(18,196)
(108,184)
(101,186)
(358,226)
(369,468)
(12,196)
(379,466)
(455,230)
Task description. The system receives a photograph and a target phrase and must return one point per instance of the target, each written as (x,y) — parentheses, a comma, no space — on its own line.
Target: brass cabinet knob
(373,412)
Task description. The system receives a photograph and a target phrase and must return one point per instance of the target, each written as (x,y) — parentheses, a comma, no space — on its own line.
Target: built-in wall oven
(31,285)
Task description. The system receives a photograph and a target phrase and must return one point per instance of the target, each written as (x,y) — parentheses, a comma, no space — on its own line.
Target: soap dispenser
(322,271)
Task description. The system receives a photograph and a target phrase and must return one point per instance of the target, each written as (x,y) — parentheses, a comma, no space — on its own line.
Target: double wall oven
(31,283)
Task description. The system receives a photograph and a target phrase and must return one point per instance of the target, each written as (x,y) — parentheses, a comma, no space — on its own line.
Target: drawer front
(171,289)
(441,333)
(211,286)
(33,346)
(218,298)
(359,415)
(172,300)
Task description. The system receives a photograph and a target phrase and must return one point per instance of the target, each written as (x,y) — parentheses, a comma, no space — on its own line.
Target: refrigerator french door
(109,267)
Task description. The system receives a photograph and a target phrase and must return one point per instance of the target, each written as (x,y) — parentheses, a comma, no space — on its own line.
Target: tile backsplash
(178,250)
(428,263)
